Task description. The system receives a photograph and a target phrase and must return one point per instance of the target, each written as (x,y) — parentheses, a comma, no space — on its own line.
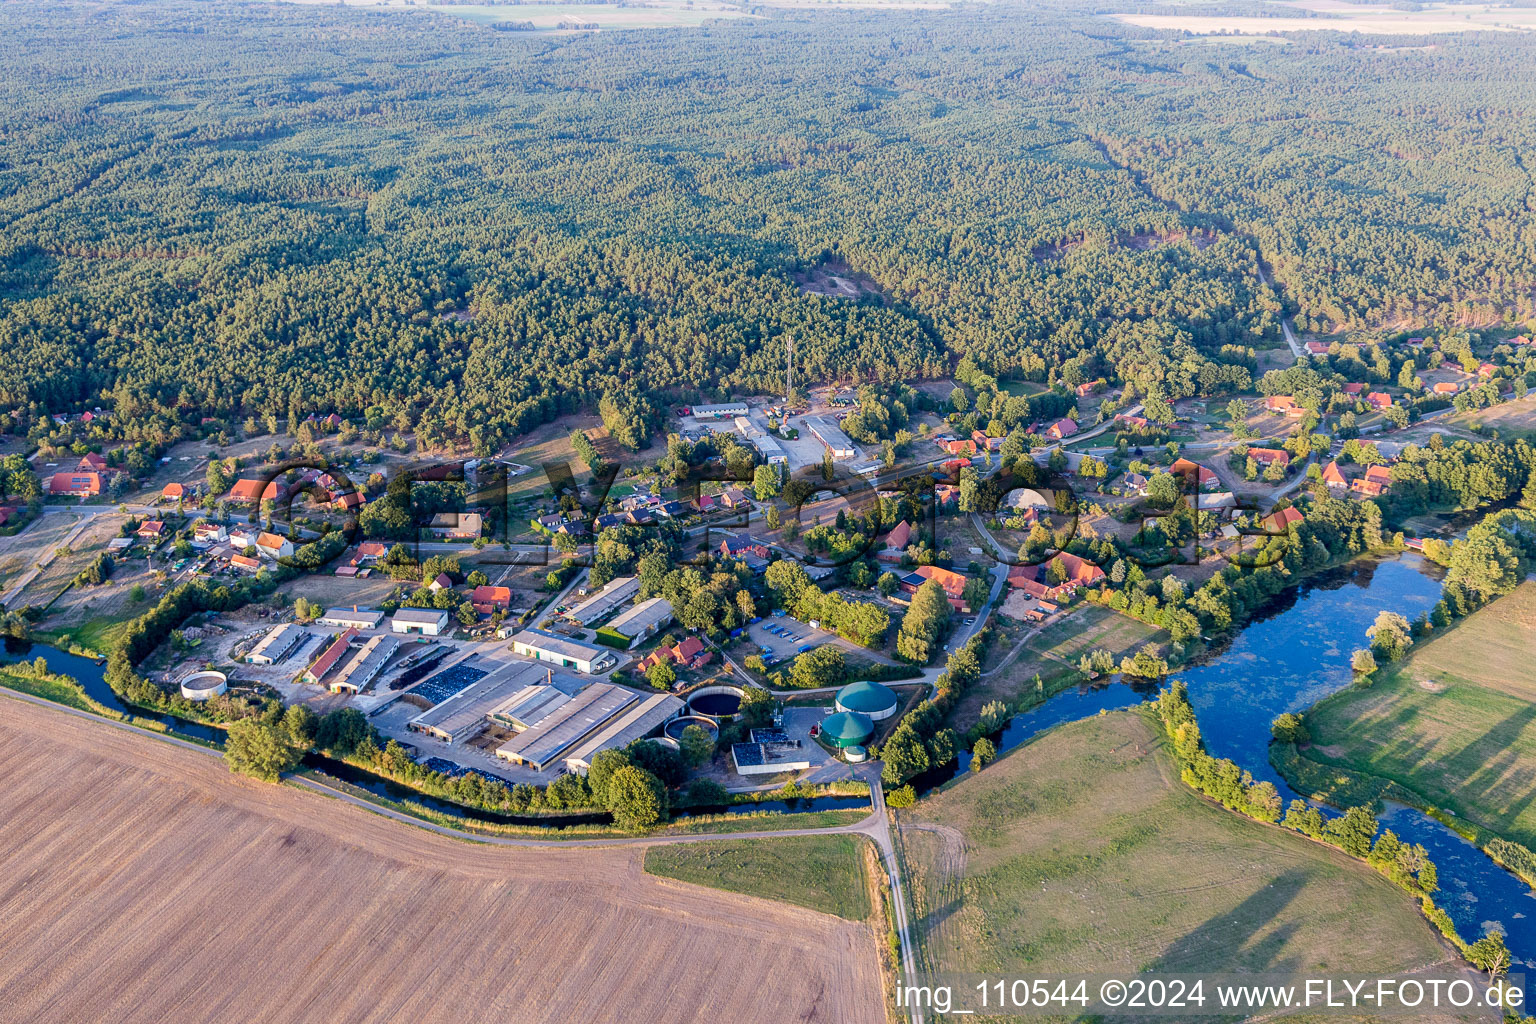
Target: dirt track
(145,883)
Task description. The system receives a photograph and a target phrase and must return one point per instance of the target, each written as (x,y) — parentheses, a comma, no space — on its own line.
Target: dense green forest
(238,210)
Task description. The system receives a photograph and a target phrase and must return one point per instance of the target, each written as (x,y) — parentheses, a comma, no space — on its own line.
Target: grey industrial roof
(624,729)
(278,642)
(529,706)
(829,433)
(348,616)
(420,615)
(642,616)
(618,590)
(365,664)
(569,725)
(480,697)
(560,645)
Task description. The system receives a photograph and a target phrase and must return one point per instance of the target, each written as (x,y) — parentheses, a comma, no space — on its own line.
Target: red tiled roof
(500,597)
(1268,455)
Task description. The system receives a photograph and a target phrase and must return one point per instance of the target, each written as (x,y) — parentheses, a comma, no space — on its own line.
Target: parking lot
(784,637)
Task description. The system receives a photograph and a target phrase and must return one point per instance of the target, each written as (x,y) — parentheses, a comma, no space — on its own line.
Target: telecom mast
(789,368)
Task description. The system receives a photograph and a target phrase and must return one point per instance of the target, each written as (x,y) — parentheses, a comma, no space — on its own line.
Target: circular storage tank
(876,700)
(202,685)
(847,729)
(856,754)
(716,701)
(675,727)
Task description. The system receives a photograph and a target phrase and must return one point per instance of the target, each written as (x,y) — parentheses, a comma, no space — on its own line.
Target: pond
(1290,656)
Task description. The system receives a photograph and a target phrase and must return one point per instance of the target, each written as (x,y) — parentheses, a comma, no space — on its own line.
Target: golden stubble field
(143,883)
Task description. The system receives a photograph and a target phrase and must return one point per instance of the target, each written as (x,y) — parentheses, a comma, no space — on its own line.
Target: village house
(957,445)
(952,582)
(1133,422)
(1133,485)
(488,600)
(1487,370)
(1194,474)
(180,492)
(456,525)
(244,564)
(274,546)
(1281,520)
(985,443)
(205,534)
(1334,478)
(440,582)
(1354,389)
(689,652)
(1317,348)
(1447,387)
(896,542)
(733,497)
(1062,428)
(151,530)
(1279,403)
(1378,400)
(1036,580)
(79,485)
(250,492)
(1375,482)
(1267,457)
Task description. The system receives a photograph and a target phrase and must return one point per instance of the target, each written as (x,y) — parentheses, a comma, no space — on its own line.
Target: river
(1294,653)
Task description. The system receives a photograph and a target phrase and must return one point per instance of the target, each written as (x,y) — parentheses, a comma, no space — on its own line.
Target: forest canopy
(412,220)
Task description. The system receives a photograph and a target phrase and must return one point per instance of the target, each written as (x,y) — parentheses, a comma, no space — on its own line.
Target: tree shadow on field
(1231,941)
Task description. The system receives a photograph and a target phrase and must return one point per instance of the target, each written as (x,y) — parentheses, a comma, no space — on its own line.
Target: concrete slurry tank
(202,685)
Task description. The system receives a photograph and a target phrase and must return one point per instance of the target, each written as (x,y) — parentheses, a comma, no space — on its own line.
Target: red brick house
(952,582)
(1060,429)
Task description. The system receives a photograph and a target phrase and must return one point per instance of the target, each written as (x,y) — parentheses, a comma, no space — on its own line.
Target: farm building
(634,723)
(618,592)
(546,743)
(772,452)
(277,645)
(831,436)
(328,658)
(456,525)
(351,618)
(768,752)
(428,621)
(642,621)
(875,700)
(725,410)
(542,646)
(365,665)
(496,696)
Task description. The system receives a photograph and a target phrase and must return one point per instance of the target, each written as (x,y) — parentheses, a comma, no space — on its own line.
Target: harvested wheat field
(143,882)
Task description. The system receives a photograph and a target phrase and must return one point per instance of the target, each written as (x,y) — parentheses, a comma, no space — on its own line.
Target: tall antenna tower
(789,368)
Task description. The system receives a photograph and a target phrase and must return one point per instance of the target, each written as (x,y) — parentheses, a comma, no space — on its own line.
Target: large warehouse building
(619,592)
(639,622)
(546,743)
(831,435)
(463,715)
(637,722)
(277,645)
(559,650)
